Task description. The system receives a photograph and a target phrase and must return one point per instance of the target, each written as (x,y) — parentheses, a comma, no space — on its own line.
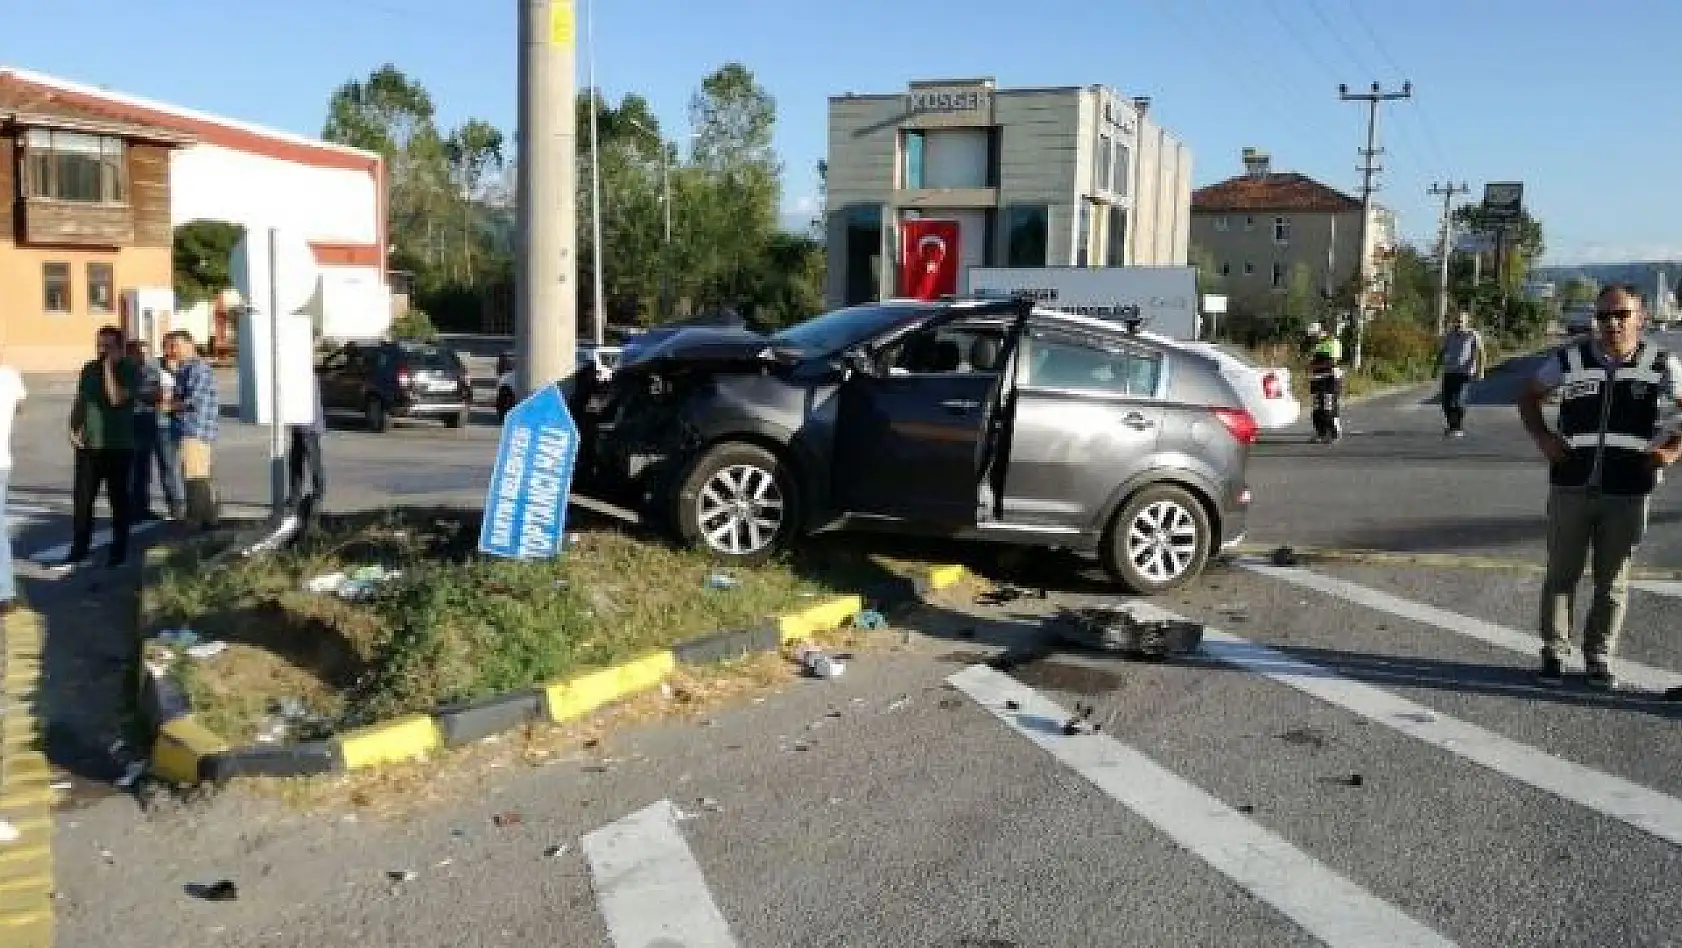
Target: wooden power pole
(1369,170)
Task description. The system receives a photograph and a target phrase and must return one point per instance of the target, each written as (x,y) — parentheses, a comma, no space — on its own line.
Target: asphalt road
(1357,757)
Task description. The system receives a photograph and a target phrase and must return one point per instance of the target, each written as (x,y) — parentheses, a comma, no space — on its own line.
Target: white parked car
(603,360)
(1266,390)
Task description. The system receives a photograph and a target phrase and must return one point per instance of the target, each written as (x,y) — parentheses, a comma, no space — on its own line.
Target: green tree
(1525,244)
(732,185)
(1303,303)
(200,252)
(1578,290)
(474,150)
(1209,278)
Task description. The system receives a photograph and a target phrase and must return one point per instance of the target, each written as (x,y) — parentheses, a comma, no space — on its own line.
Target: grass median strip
(394,614)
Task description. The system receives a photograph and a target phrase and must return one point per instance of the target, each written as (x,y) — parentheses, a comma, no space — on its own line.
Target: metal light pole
(277,426)
(598,307)
(546,316)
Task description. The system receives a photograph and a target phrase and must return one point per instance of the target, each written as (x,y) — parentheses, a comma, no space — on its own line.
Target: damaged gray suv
(983,419)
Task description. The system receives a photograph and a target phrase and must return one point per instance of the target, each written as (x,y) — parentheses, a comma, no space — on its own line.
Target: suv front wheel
(739,503)
(1158,541)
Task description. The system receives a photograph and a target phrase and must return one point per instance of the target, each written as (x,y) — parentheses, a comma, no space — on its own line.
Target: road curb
(26,798)
(185,752)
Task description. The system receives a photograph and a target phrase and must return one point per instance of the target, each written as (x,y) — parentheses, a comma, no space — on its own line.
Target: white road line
(1642,676)
(648,885)
(101,538)
(1333,909)
(1606,794)
(1658,587)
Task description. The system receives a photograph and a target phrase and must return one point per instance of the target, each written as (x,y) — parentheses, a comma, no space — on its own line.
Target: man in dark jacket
(1605,458)
(102,432)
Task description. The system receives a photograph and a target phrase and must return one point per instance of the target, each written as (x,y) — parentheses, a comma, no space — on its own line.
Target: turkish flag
(928,258)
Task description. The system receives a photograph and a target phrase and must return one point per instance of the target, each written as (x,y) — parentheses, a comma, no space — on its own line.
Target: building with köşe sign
(952,174)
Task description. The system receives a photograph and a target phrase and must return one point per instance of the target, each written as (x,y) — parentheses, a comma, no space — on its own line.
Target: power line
(1296,37)
(1336,35)
(1447,190)
(1360,18)
(1369,169)
(1286,118)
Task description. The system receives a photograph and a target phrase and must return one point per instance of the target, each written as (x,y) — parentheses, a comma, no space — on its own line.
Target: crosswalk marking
(1606,794)
(101,539)
(1642,676)
(1330,907)
(648,885)
(1658,587)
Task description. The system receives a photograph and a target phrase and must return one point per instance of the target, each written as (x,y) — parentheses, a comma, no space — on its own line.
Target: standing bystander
(193,423)
(152,442)
(102,432)
(1461,360)
(305,449)
(12,394)
(1604,459)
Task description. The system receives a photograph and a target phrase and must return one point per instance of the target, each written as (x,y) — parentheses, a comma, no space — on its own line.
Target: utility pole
(598,304)
(1448,190)
(546,269)
(1369,168)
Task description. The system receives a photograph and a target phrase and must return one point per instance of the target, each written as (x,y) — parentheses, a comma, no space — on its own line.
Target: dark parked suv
(980,419)
(388,380)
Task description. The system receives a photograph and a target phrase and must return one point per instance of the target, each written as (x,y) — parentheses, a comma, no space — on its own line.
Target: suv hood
(711,350)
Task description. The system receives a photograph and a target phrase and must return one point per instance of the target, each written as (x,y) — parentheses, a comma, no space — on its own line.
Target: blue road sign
(526,505)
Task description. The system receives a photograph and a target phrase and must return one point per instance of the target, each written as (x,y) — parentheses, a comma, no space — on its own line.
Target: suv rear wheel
(1159,540)
(738,502)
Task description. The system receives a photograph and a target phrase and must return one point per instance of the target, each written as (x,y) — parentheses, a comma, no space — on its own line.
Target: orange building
(85,215)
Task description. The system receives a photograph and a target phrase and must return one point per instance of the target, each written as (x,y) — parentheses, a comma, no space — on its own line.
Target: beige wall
(37,341)
(1325,242)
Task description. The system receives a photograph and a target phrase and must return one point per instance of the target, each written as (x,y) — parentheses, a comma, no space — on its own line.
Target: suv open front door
(913,437)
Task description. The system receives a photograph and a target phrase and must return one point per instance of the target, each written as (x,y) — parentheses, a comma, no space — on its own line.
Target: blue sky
(1575,99)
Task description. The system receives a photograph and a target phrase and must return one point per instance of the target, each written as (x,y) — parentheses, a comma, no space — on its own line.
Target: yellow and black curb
(185,752)
(26,795)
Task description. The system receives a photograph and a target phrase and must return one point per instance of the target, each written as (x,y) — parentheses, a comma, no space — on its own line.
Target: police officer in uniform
(1325,384)
(1605,458)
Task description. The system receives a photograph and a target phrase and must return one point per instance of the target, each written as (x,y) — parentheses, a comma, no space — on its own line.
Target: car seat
(984,354)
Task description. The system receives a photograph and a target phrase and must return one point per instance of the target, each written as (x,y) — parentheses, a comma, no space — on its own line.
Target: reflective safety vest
(1323,361)
(1609,420)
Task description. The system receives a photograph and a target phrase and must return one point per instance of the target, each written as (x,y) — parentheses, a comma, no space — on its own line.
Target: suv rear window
(438,360)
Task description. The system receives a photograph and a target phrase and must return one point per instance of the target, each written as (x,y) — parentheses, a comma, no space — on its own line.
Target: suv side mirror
(855,362)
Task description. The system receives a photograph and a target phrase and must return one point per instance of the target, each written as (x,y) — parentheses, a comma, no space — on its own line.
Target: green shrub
(1399,341)
(415,325)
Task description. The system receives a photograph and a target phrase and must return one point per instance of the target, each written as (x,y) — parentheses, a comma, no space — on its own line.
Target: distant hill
(1644,276)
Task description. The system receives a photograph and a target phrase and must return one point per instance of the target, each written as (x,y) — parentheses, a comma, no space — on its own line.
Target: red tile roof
(1280,191)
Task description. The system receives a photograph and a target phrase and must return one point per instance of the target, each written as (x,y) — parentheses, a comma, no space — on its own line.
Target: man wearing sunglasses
(1605,458)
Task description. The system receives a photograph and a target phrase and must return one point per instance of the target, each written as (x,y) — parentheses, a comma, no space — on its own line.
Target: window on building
(71,166)
(1028,232)
(1278,276)
(55,287)
(1249,268)
(911,175)
(862,281)
(1223,223)
(1249,223)
(1226,269)
(1117,251)
(1083,234)
(101,288)
(1101,169)
(1281,230)
(1123,170)
(1056,361)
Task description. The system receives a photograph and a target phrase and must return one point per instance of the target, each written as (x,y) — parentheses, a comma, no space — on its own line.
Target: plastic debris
(554,852)
(61,785)
(722,581)
(353,585)
(1082,722)
(508,818)
(402,875)
(869,619)
(178,638)
(205,650)
(223,891)
(818,663)
(1285,556)
(900,702)
(1013,705)
(131,774)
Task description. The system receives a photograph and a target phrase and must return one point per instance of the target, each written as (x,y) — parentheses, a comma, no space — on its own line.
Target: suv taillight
(404,378)
(1240,423)
(1271,387)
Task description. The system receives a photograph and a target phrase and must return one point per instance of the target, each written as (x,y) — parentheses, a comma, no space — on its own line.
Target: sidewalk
(63,384)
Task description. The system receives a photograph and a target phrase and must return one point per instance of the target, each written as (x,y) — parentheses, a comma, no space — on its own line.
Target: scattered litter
(832,713)
(223,891)
(1116,628)
(131,774)
(870,619)
(1304,737)
(357,584)
(722,581)
(1082,722)
(61,785)
(1418,717)
(898,703)
(1285,556)
(557,851)
(402,875)
(508,818)
(205,650)
(1246,808)
(8,832)
(1003,594)
(1013,705)
(835,801)
(818,663)
(177,638)
(442,864)
(710,805)
(948,704)
(1352,780)
(108,856)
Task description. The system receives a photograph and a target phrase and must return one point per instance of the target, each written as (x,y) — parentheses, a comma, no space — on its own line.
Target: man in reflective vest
(1325,384)
(1605,458)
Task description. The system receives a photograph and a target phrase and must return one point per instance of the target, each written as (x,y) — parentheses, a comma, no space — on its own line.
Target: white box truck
(1163,299)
